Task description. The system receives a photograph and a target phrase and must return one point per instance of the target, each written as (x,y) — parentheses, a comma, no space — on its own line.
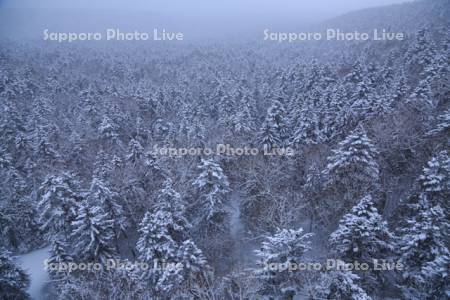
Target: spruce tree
(211,188)
(339,285)
(268,136)
(244,120)
(58,196)
(164,238)
(103,168)
(421,53)
(8,232)
(45,142)
(227,111)
(424,254)
(93,234)
(421,97)
(363,236)
(308,129)
(108,130)
(135,152)
(59,254)
(277,253)
(442,128)
(100,194)
(274,131)
(435,180)
(352,169)
(13,128)
(362,99)
(13,280)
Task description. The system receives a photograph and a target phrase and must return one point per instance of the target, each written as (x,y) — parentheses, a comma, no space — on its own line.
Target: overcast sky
(182,14)
(201,7)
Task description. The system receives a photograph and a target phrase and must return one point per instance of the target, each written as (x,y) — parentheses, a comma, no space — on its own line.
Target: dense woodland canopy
(369,122)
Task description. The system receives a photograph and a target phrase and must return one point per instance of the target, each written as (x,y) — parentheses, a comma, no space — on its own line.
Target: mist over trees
(369,123)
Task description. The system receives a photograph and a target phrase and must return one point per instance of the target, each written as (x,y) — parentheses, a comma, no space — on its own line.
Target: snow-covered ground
(243,249)
(33,264)
(237,228)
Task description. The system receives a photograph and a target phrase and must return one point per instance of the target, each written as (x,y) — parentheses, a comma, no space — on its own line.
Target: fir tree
(140,131)
(58,203)
(308,130)
(435,180)
(227,111)
(45,144)
(163,237)
(356,74)
(108,129)
(422,95)
(59,255)
(421,53)
(13,280)
(103,166)
(442,128)
(13,128)
(100,194)
(362,99)
(268,136)
(363,236)
(93,234)
(211,185)
(352,169)
(244,120)
(8,234)
(424,254)
(274,131)
(400,90)
(28,235)
(135,152)
(339,285)
(285,247)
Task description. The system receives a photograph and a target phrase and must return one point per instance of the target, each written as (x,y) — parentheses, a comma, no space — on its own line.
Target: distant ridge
(407,17)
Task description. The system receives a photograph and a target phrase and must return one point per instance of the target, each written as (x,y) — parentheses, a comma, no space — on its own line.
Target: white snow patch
(33,264)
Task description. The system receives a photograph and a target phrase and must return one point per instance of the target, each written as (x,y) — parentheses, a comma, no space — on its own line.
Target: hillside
(232,169)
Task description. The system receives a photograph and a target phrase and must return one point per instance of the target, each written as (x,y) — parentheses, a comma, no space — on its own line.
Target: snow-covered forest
(369,180)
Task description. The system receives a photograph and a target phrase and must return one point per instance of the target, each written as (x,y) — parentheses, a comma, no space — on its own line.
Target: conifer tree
(101,195)
(59,255)
(13,280)
(244,120)
(421,95)
(135,152)
(164,238)
(424,254)
(268,136)
(108,129)
(59,195)
(308,130)
(442,128)
(435,180)
(44,142)
(339,285)
(211,186)
(285,247)
(421,53)
(93,234)
(363,236)
(274,131)
(103,166)
(362,99)
(352,169)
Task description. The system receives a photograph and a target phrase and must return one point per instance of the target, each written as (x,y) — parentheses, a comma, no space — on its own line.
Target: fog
(195,17)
